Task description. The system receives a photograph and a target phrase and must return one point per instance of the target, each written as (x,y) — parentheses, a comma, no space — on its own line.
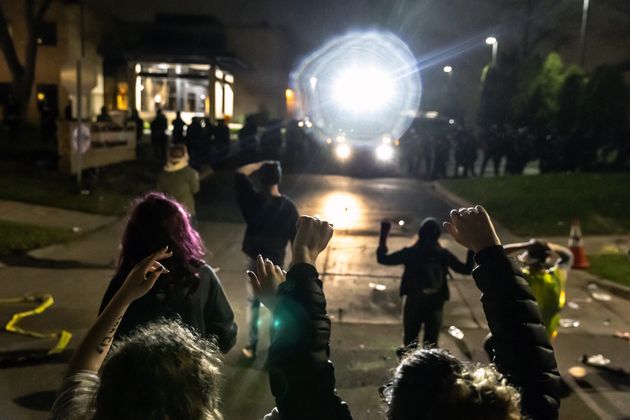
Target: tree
(23,73)
(536,102)
(606,110)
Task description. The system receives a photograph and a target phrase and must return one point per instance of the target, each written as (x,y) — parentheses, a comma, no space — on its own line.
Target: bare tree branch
(8,48)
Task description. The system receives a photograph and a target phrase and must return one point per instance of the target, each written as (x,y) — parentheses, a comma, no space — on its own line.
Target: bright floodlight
(343,151)
(363,89)
(448,69)
(365,85)
(491,40)
(384,152)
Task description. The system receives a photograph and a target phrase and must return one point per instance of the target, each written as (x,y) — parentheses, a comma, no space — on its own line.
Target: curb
(458,201)
(616,289)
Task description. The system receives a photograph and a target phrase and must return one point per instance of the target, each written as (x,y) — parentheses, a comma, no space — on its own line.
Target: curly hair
(162,370)
(433,384)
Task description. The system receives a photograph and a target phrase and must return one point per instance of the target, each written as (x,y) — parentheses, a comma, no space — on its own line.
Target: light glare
(491,40)
(363,89)
(384,152)
(343,151)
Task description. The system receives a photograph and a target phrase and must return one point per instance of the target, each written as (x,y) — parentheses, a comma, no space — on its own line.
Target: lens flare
(364,86)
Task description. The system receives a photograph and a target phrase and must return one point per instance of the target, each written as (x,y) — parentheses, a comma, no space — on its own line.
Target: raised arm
(250,168)
(94,347)
(564,254)
(302,378)
(521,347)
(460,267)
(382,257)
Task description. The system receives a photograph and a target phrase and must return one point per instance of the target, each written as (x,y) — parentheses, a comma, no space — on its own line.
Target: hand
(143,276)
(472,228)
(266,282)
(386,226)
(311,239)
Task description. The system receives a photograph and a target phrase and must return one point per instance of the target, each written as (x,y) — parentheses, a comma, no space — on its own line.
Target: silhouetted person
(493,149)
(271,219)
(48,123)
(441,150)
(67,111)
(159,139)
(178,129)
(424,280)
(222,139)
(295,142)
(465,152)
(247,140)
(196,142)
(104,116)
(271,140)
(208,132)
(135,117)
(179,180)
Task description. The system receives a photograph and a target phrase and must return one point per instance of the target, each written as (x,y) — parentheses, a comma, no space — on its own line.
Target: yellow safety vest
(548,288)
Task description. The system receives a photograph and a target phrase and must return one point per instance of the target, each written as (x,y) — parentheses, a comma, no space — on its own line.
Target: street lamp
(495,46)
(448,69)
(583,28)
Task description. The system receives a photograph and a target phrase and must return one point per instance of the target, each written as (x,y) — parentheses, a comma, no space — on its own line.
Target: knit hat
(177,158)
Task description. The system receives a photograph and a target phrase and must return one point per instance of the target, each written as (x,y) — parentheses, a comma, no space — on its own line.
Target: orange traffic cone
(577,246)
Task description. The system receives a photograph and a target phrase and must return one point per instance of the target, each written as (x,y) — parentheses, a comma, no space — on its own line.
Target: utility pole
(583,31)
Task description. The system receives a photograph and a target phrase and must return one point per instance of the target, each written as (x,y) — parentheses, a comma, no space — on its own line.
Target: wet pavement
(365,332)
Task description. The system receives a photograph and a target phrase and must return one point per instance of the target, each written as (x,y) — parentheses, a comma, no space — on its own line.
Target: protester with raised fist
(424,285)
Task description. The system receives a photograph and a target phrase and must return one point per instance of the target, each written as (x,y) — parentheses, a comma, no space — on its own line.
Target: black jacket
(303,379)
(200,303)
(426,266)
(522,351)
(271,221)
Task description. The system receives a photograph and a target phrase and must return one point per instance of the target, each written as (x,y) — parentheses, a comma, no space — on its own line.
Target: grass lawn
(545,205)
(19,237)
(615,267)
(110,194)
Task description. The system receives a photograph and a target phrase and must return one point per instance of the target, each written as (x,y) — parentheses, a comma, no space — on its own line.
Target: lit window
(218,74)
(218,100)
(229,78)
(228,105)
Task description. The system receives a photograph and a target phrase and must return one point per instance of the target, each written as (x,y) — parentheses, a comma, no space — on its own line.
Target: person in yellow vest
(546,266)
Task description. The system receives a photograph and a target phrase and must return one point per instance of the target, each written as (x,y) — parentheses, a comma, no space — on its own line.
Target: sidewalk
(14,211)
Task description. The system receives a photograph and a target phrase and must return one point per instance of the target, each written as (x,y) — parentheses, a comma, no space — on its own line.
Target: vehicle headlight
(384,152)
(343,151)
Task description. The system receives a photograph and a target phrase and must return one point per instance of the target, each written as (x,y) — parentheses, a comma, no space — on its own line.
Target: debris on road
(596,360)
(577,372)
(569,323)
(376,286)
(571,304)
(596,294)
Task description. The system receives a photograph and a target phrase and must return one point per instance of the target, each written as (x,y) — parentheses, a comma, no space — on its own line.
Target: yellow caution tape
(43,302)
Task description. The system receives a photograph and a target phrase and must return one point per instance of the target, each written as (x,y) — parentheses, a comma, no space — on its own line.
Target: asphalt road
(363,302)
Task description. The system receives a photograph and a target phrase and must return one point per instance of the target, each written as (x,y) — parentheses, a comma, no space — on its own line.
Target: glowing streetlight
(583,29)
(495,46)
(448,69)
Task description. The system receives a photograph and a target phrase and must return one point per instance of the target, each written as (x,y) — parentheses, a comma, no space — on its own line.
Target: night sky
(439,32)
